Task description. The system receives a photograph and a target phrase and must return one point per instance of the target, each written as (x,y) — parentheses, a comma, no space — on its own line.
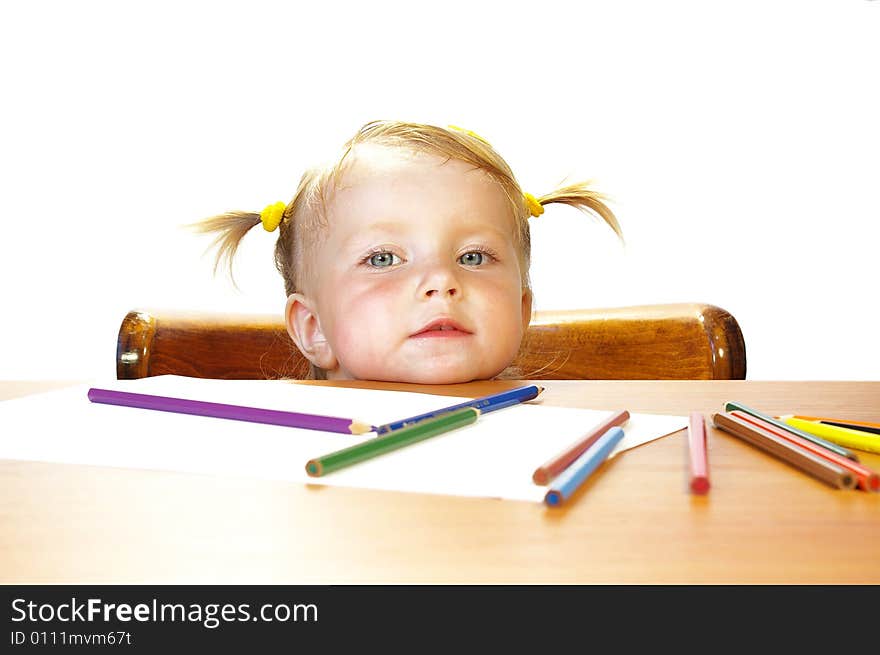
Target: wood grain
(633,522)
(662,342)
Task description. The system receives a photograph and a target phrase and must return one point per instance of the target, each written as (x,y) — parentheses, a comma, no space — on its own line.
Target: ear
(304,327)
(526,308)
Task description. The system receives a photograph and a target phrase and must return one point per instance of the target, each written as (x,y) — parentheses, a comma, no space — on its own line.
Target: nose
(449,292)
(440,282)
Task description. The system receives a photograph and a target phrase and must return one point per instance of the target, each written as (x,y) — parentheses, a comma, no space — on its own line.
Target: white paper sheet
(494,457)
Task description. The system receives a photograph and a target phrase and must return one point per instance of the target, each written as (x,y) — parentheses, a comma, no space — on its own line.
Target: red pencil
(553,467)
(698,454)
(866,479)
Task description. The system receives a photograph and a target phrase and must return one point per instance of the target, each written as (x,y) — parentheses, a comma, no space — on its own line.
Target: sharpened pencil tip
(357,427)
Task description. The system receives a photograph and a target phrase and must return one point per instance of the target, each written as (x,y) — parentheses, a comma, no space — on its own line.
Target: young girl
(407,258)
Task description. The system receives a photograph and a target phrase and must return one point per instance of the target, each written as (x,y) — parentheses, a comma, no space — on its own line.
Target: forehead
(381,182)
(368,161)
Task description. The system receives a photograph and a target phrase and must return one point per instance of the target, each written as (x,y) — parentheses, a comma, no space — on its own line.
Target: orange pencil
(866,479)
(698,455)
(789,452)
(553,467)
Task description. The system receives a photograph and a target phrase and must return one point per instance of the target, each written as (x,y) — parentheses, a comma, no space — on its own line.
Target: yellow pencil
(845,437)
(839,421)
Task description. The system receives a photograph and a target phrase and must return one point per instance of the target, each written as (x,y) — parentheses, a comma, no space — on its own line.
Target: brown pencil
(788,452)
(559,462)
(865,478)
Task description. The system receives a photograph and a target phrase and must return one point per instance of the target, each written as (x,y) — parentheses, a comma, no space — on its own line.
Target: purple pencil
(234,412)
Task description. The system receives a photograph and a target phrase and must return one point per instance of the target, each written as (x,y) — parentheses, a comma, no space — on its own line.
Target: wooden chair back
(663,342)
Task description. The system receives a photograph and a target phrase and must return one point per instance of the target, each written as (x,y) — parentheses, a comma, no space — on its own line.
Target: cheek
(504,319)
(361,315)
(504,294)
(508,331)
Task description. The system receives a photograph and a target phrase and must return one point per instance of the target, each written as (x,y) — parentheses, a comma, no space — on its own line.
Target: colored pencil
(842,436)
(851,426)
(833,447)
(863,426)
(392,441)
(790,453)
(570,479)
(866,479)
(699,457)
(234,412)
(559,462)
(485,404)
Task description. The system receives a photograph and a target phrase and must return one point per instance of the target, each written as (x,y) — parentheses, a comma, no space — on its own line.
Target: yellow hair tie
(271,216)
(535,207)
(468,132)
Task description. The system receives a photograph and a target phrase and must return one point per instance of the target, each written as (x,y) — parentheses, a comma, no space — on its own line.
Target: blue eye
(473,258)
(383,259)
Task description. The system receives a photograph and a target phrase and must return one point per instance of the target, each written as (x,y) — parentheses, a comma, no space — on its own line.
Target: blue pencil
(571,478)
(484,404)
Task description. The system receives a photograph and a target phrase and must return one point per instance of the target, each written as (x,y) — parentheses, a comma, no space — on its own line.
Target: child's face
(418,278)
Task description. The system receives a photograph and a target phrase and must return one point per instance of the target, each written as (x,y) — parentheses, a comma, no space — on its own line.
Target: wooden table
(633,522)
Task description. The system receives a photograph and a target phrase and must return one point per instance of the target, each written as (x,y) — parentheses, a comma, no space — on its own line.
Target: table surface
(633,522)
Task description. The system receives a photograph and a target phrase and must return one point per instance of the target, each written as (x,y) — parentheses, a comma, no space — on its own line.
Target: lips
(442,327)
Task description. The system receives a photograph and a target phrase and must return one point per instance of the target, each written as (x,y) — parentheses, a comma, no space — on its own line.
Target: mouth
(442,328)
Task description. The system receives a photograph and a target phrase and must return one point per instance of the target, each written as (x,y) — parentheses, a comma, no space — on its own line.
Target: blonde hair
(305,215)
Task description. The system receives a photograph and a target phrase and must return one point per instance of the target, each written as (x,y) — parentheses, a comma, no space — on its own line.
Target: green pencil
(391,441)
(819,441)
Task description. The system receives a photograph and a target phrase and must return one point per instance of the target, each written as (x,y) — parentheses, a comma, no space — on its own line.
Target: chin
(447,375)
(434,370)
(441,378)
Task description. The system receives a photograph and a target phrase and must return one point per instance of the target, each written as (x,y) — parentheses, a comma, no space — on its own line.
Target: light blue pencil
(567,482)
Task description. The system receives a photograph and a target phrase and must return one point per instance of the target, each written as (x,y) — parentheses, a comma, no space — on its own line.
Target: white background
(739,143)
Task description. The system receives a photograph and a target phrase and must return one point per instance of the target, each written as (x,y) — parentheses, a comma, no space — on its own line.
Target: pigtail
(229,229)
(579,195)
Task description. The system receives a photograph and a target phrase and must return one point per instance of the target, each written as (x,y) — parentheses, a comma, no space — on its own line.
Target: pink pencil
(553,467)
(698,455)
